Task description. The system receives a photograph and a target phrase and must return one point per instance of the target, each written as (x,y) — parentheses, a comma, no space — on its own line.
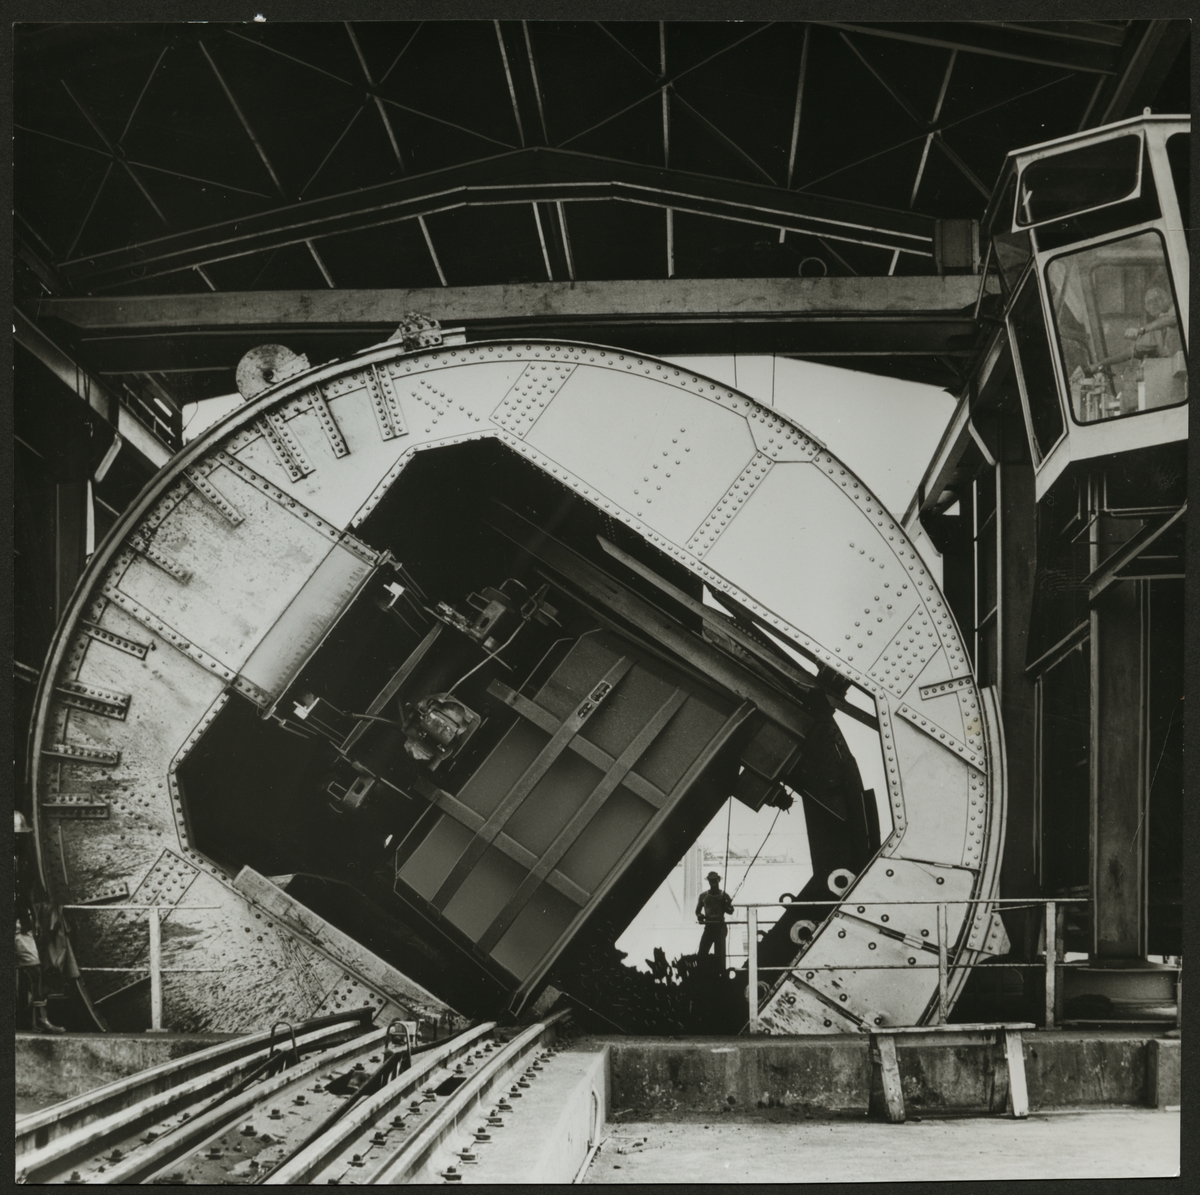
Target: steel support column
(1117,781)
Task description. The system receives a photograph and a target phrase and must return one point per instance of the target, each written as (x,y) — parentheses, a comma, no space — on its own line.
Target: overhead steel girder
(534,175)
(1147,58)
(242,551)
(90,390)
(842,316)
(1089,48)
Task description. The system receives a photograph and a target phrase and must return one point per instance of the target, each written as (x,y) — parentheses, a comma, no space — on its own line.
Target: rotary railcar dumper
(400,684)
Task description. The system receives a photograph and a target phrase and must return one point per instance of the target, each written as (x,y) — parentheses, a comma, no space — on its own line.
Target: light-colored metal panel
(937,789)
(377,978)
(240,577)
(824,557)
(797,1009)
(650,446)
(907,880)
(278,656)
(858,952)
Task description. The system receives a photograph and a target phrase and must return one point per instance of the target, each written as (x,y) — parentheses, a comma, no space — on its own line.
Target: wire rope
(758,852)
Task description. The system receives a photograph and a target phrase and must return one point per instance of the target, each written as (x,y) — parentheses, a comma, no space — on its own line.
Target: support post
(1018,1089)
(1051,961)
(943,967)
(752,949)
(889,1070)
(155,970)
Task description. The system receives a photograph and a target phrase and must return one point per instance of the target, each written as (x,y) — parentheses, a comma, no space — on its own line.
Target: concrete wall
(50,1069)
(825,1076)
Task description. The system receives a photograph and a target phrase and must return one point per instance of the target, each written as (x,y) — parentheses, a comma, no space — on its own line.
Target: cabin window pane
(1079,180)
(1118,328)
(1179,154)
(1028,328)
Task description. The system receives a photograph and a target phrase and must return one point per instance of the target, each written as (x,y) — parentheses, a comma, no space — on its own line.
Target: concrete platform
(739,1149)
(831,1076)
(548,1134)
(49,1069)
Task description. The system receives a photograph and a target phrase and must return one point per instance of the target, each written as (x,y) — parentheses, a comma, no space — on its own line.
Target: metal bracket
(946,686)
(94,699)
(146,547)
(329,425)
(131,646)
(206,488)
(385,404)
(939,735)
(79,806)
(83,754)
(721,515)
(103,895)
(285,446)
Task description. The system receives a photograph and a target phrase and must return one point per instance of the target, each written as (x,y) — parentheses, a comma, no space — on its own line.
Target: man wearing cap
(710,913)
(29,962)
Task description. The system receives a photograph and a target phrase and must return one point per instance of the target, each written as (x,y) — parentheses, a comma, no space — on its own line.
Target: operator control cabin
(1057,499)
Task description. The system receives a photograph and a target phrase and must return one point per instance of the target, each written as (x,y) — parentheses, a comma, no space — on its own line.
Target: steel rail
(169,1148)
(419,1149)
(49,1143)
(323,1152)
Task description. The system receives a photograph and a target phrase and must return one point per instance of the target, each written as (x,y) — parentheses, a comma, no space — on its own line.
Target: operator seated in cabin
(1155,373)
(710,913)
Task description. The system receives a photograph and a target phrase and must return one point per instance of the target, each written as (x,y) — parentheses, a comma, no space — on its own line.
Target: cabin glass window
(1012,249)
(1080,180)
(1179,155)
(1036,368)
(1118,328)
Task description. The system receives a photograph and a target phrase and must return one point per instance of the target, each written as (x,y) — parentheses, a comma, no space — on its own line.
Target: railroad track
(338,1102)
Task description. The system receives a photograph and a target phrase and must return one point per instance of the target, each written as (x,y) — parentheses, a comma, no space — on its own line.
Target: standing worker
(29,962)
(710,913)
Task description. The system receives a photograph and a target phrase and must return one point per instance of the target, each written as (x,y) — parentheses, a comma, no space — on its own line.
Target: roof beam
(1151,51)
(728,298)
(530,175)
(90,389)
(1019,45)
(866,317)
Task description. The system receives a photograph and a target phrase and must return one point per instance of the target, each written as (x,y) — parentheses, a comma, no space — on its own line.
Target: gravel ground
(1110,1143)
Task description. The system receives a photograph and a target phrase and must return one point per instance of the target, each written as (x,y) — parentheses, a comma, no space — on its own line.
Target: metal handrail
(942,944)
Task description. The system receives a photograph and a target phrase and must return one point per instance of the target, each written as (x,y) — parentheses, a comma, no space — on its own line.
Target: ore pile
(688,995)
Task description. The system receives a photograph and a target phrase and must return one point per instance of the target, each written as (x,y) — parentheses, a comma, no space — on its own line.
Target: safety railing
(1051,963)
(158,914)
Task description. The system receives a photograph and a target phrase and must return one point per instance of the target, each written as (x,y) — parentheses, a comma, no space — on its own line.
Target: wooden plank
(1018,1090)
(752,966)
(512,800)
(586,749)
(567,836)
(973,1027)
(644,300)
(1051,962)
(889,1068)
